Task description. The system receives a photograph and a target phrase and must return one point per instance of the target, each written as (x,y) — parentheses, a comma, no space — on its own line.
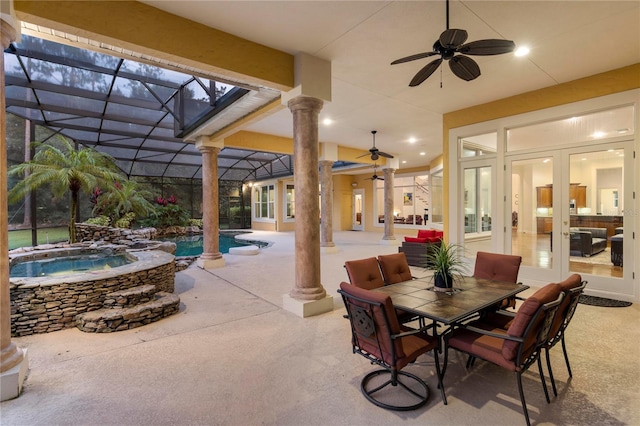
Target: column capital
(305,103)
(8,33)
(206,142)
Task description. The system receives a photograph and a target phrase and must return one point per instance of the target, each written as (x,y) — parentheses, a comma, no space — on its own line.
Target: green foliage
(98,220)
(125,221)
(122,200)
(195,222)
(446,259)
(169,215)
(64,169)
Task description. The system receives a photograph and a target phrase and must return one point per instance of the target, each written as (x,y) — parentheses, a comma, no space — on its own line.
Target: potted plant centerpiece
(446,262)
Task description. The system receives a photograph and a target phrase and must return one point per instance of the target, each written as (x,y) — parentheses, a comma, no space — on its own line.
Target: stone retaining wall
(45,304)
(86,232)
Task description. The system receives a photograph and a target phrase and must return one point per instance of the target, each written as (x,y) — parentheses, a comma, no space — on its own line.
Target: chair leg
(524,404)
(553,381)
(544,382)
(566,357)
(439,374)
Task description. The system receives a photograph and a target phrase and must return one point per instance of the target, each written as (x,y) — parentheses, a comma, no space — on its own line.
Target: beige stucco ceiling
(568,40)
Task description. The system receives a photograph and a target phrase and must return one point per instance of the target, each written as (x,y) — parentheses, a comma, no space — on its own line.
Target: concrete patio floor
(233,356)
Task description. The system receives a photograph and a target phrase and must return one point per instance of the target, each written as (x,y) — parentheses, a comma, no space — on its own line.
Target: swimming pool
(191,245)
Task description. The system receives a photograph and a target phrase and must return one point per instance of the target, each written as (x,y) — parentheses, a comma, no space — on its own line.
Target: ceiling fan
(451,42)
(375,176)
(375,152)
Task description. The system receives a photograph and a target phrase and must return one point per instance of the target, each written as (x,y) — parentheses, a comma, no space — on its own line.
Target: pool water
(191,245)
(67,265)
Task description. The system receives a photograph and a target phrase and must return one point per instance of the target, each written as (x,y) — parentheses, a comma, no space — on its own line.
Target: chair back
(497,266)
(364,273)
(572,287)
(532,324)
(373,322)
(395,268)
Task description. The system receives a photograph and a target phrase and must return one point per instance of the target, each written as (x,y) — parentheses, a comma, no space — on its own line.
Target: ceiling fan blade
(384,154)
(363,155)
(413,57)
(464,67)
(487,47)
(425,72)
(453,38)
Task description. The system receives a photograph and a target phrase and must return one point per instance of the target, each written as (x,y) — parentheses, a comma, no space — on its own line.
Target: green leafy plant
(125,221)
(446,262)
(64,169)
(98,220)
(195,222)
(125,200)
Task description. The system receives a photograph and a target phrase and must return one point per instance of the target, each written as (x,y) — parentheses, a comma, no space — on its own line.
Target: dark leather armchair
(586,242)
(377,335)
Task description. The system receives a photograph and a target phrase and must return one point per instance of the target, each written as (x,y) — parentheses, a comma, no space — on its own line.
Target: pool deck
(233,356)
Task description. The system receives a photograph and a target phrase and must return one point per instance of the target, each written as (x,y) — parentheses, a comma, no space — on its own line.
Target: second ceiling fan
(375,152)
(450,46)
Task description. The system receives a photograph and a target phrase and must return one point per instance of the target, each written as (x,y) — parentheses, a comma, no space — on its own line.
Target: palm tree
(124,198)
(65,169)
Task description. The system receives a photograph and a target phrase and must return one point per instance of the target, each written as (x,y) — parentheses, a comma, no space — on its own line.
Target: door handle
(565,234)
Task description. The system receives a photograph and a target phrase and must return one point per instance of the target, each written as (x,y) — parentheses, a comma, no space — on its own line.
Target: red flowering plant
(168,213)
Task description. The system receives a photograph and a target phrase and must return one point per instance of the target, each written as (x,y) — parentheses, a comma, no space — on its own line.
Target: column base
(329,249)
(210,263)
(11,381)
(307,308)
(390,242)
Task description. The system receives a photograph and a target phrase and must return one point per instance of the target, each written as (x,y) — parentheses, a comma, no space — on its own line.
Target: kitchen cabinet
(576,192)
(544,196)
(544,225)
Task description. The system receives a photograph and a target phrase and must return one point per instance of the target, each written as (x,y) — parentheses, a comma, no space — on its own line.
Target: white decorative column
(211,257)
(388,238)
(14,362)
(326,207)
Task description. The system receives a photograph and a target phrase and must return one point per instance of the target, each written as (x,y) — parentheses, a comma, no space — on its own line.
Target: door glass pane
(596,205)
(532,211)
(477,200)
(357,209)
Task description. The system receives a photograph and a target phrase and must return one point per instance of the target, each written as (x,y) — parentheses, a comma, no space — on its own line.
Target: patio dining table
(469,296)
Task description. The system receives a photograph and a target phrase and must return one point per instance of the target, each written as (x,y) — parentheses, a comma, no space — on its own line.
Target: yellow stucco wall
(615,81)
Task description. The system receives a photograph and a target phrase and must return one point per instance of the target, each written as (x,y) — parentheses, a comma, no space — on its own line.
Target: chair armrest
(504,336)
(412,332)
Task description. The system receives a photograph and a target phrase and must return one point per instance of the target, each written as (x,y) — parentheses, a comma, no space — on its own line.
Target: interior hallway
(232,356)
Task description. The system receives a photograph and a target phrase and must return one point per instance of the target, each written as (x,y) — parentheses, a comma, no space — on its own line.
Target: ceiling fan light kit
(450,46)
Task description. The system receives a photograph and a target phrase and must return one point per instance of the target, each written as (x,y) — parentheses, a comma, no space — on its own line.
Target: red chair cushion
(415,240)
(426,233)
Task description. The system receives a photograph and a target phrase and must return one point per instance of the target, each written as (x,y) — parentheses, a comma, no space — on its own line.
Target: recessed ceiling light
(423,153)
(404,161)
(598,135)
(327,121)
(583,158)
(622,131)
(546,160)
(522,51)
(412,140)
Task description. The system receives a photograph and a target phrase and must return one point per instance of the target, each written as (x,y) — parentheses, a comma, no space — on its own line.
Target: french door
(567,210)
